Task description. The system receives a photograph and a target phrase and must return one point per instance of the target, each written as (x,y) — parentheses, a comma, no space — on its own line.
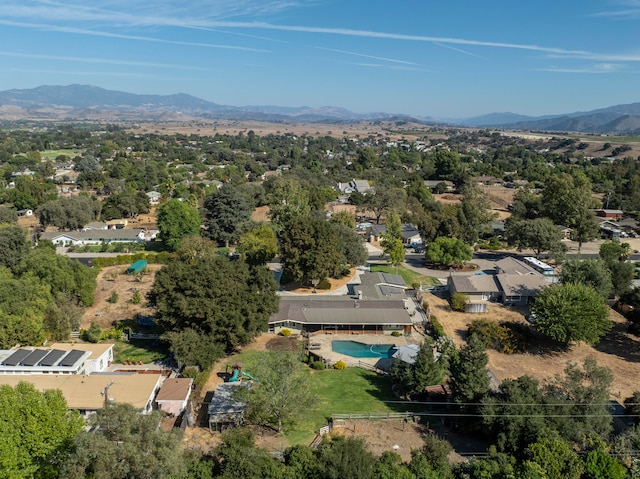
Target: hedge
(163,257)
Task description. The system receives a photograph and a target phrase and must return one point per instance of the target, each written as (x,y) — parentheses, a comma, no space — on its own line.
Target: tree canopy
(226,215)
(69,213)
(226,303)
(177,220)
(572,312)
(448,251)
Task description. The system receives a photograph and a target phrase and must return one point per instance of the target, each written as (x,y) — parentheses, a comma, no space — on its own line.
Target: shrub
(136,298)
(415,285)
(505,337)
(459,301)
(396,334)
(113,333)
(199,377)
(92,334)
(324,284)
(340,365)
(437,330)
(319,365)
(113,299)
(285,332)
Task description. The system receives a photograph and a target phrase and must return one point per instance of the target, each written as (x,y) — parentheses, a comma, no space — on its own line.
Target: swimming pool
(362,350)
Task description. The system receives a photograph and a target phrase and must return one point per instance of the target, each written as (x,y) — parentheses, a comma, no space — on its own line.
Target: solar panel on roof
(52,358)
(71,358)
(17,357)
(35,357)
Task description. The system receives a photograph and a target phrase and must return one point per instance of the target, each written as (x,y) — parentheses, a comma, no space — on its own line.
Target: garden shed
(225,410)
(137,267)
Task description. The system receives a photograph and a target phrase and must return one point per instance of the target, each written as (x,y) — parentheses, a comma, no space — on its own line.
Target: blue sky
(446,59)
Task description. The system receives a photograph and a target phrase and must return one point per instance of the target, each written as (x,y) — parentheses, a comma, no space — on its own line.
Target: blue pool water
(362,350)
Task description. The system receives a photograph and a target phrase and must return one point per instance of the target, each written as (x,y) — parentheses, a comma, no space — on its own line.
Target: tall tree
(552,458)
(381,200)
(259,245)
(448,251)
(392,240)
(590,272)
(350,244)
(572,312)
(123,444)
(344,457)
(13,245)
(70,213)
(567,199)
(36,430)
(539,234)
(282,393)
(226,215)
(226,302)
(8,215)
(475,213)
(288,202)
(176,221)
(469,378)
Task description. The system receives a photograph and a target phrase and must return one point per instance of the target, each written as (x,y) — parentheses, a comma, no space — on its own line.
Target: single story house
(95,226)
(486,180)
(604,213)
(67,238)
(361,186)
(173,395)
(154,197)
(341,314)
(410,234)
(431,184)
(519,289)
(380,286)
(477,287)
(86,393)
(57,358)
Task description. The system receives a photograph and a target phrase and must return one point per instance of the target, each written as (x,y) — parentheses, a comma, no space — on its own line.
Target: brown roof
(174,389)
(477,283)
(96,350)
(521,285)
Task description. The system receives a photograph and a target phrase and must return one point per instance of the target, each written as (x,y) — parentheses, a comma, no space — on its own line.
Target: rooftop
(175,389)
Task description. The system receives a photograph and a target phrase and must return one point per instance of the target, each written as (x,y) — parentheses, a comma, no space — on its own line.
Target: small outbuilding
(137,267)
(225,410)
(173,395)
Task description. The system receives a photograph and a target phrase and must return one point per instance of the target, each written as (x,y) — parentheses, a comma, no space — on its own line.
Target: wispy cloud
(459,50)
(372,57)
(125,37)
(107,61)
(383,66)
(627,10)
(597,68)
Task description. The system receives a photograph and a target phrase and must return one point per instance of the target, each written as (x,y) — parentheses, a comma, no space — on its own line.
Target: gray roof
(476,283)
(94,235)
(383,278)
(342,311)
(511,265)
(223,401)
(521,285)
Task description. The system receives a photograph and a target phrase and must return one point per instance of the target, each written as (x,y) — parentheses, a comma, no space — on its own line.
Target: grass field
(53,154)
(138,350)
(409,276)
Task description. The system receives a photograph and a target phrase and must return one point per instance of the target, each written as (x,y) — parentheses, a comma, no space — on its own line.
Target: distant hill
(91,102)
(623,119)
(85,102)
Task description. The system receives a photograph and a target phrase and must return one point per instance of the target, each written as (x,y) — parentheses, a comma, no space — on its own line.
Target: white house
(67,238)
(154,197)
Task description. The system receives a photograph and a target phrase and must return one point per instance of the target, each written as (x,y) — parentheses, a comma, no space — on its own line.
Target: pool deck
(322,349)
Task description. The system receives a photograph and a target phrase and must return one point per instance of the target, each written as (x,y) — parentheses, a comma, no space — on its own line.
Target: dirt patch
(114,279)
(335,284)
(261,214)
(619,351)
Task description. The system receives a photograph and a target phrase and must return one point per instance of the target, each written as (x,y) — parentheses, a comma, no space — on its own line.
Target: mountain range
(85,102)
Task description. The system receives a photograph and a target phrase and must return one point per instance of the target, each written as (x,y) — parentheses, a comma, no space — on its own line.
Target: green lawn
(138,350)
(53,154)
(408,275)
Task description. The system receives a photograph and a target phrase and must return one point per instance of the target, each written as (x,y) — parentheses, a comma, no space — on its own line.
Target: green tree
(554,458)
(586,227)
(344,218)
(62,316)
(70,213)
(308,250)
(282,392)
(350,245)
(259,245)
(36,430)
(226,302)
(469,378)
(8,215)
(382,200)
(176,221)
(448,251)
(288,202)
(239,457)
(572,312)
(614,251)
(391,242)
(539,234)
(344,457)
(390,466)
(226,215)
(23,302)
(124,444)
(475,213)
(567,200)
(13,245)
(590,272)
(94,333)
(600,464)
(301,462)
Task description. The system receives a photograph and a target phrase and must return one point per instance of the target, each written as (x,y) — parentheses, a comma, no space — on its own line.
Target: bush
(285,332)
(459,301)
(324,284)
(396,334)
(415,285)
(319,365)
(340,365)
(199,377)
(505,337)
(93,334)
(136,298)
(437,330)
(113,333)
(113,299)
